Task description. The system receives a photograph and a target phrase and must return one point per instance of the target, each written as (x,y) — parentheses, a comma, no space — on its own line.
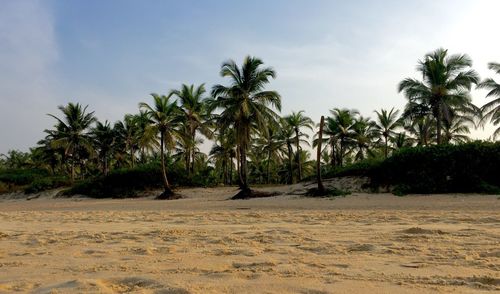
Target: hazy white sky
(112,54)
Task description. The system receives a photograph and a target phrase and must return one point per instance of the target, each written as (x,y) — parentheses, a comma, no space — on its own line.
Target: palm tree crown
(445,86)
(245,105)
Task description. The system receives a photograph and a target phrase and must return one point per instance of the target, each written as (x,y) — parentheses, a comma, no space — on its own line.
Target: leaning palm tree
(446,84)
(491,109)
(386,123)
(72,133)
(165,117)
(298,121)
(245,106)
(196,113)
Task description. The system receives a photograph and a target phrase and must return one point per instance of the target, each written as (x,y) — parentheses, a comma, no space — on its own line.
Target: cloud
(28,52)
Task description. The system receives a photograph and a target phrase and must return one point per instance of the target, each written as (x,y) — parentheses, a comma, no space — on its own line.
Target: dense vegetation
(159,146)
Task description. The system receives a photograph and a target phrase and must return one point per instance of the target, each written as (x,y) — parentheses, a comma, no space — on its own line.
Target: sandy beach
(362,243)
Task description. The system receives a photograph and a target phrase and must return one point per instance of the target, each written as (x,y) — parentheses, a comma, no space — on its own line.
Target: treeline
(252,142)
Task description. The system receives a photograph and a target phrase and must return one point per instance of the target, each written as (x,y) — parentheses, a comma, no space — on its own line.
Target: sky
(328,54)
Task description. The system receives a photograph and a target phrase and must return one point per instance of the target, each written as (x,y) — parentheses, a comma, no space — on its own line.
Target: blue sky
(112,54)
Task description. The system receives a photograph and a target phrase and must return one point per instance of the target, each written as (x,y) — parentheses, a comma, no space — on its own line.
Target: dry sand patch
(360,243)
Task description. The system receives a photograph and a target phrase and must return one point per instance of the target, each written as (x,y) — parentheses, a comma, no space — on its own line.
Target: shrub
(127,182)
(47,183)
(20,177)
(466,168)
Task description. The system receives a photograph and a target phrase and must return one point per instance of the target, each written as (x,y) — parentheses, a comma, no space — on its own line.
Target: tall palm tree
(297,120)
(103,139)
(492,109)
(245,105)
(165,118)
(446,83)
(127,133)
(196,113)
(363,135)
(423,129)
(285,134)
(72,132)
(386,123)
(344,120)
(272,146)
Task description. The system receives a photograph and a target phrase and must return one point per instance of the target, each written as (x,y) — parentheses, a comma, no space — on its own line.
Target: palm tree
(285,134)
(103,139)
(271,145)
(72,132)
(164,117)
(491,109)
(386,123)
(321,188)
(423,129)
(245,105)
(127,134)
(298,120)
(196,113)
(446,84)
(456,130)
(363,135)
(344,120)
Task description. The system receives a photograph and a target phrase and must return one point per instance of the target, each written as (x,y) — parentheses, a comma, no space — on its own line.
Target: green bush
(20,177)
(467,168)
(128,182)
(47,183)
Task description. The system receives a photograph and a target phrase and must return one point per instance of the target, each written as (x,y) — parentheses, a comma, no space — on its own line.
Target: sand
(361,243)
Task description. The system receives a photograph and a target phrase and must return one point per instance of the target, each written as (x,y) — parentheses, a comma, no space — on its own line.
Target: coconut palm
(386,123)
(422,129)
(72,133)
(165,118)
(127,133)
(192,104)
(456,130)
(446,84)
(363,135)
(344,120)
(272,145)
(491,109)
(285,134)
(298,121)
(103,137)
(245,105)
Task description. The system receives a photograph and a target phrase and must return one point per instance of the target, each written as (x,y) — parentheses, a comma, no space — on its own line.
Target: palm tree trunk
(297,142)
(332,160)
(290,162)
(132,157)
(321,188)
(438,127)
(105,165)
(230,170)
(386,151)
(243,169)
(268,162)
(72,171)
(166,185)
(341,159)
